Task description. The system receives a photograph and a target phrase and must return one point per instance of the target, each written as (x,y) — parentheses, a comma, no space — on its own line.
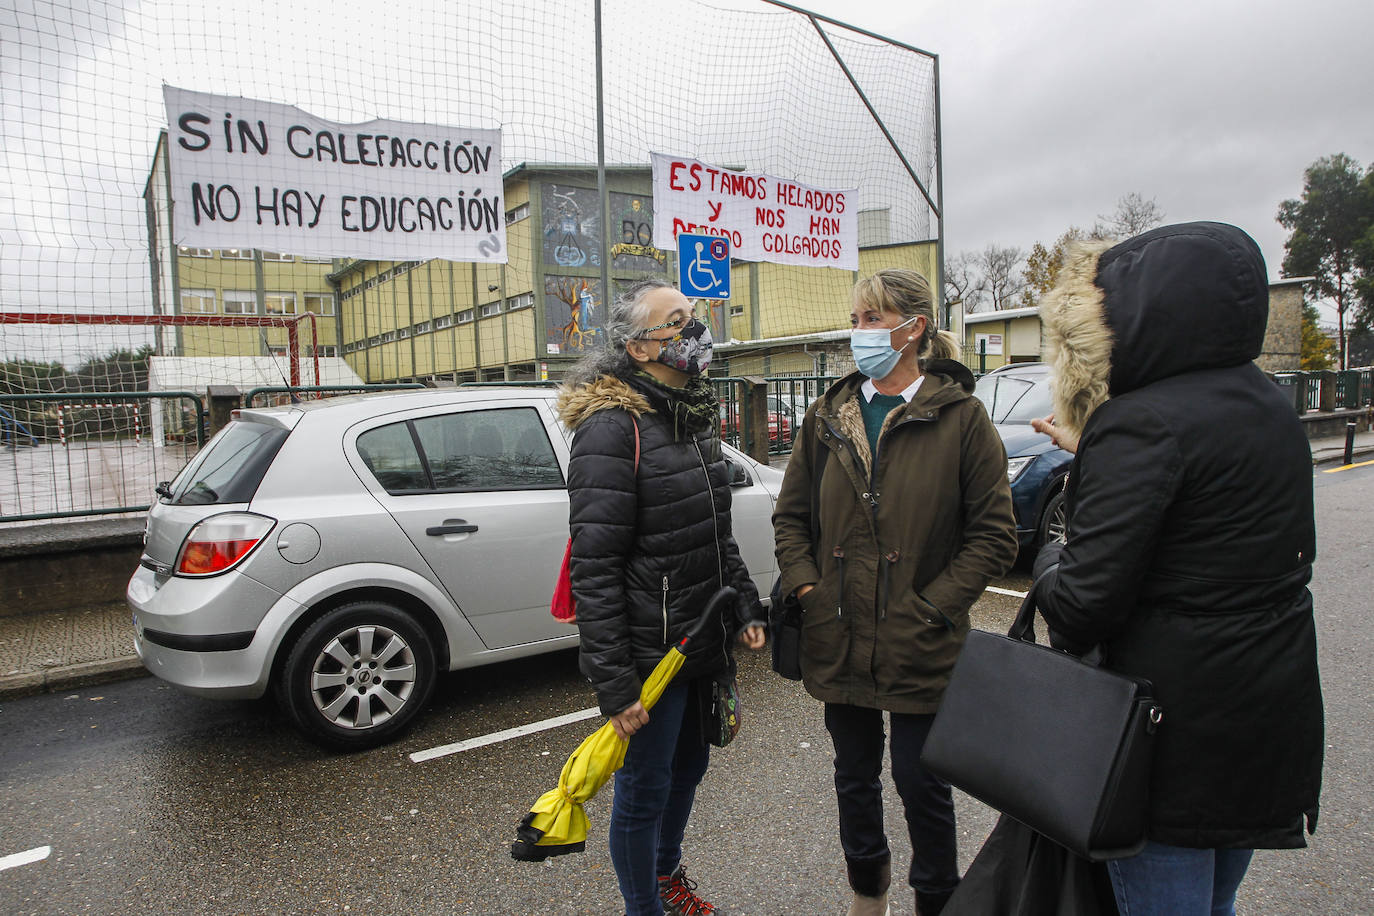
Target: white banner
(764,217)
(251,174)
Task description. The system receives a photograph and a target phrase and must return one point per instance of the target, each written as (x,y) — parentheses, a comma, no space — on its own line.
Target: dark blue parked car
(1036,467)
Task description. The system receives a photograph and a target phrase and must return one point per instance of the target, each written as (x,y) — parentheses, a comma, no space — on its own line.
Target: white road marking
(544,725)
(497,737)
(37,854)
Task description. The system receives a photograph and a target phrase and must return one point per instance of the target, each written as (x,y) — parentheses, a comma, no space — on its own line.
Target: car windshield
(1015,398)
(231,467)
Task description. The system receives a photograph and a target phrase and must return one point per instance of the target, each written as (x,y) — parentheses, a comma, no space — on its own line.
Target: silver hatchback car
(346,551)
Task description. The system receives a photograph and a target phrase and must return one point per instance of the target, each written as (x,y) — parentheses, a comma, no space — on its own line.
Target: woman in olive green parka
(915,517)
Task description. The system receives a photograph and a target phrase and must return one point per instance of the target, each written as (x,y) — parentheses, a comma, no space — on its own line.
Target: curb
(1337,456)
(65,677)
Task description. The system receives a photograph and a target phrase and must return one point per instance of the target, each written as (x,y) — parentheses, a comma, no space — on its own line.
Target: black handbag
(1053,740)
(784,633)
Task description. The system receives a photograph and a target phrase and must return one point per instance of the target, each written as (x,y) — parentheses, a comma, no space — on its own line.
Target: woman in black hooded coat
(1191,541)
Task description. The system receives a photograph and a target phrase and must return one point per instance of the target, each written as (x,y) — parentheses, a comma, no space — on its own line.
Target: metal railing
(1326,389)
(293,392)
(76,454)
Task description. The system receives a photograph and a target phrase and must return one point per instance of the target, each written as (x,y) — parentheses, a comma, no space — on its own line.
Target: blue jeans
(1175,881)
(654,791)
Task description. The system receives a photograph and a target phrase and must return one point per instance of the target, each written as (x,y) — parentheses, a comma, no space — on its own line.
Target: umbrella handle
(725,596)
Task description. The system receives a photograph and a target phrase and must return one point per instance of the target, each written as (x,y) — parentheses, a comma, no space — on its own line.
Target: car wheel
(358,676)
(1054,523)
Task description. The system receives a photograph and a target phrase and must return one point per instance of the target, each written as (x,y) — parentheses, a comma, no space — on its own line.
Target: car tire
(357,676)
(1053,522)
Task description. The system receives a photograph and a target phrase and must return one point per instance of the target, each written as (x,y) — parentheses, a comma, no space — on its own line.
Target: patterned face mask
(689,350)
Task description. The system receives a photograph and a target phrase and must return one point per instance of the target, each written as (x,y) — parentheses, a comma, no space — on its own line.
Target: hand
(754,637)
(1061,436)
(631,720)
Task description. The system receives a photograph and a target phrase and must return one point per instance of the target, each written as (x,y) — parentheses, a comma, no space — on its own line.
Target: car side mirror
(739,474)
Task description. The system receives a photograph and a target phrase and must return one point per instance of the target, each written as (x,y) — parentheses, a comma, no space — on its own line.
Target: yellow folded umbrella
(557,824)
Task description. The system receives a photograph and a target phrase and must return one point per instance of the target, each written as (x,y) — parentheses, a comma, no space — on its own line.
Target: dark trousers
(857,734)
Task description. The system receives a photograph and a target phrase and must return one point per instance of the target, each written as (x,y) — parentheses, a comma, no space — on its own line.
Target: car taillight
(220,542)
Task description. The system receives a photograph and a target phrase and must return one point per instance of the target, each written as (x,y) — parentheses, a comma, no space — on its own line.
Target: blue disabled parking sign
(703,266)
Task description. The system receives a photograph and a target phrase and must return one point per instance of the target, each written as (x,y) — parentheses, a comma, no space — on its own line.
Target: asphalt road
(155,802)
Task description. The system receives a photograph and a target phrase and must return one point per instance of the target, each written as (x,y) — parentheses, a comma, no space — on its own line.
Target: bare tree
(964,281)
(1133,215)
(1003,276)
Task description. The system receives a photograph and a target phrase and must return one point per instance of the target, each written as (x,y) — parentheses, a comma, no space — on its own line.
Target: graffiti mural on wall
(572,226)
(632,235)
(572,314)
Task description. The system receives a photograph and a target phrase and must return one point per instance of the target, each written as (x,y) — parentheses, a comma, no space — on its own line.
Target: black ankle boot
(932,904)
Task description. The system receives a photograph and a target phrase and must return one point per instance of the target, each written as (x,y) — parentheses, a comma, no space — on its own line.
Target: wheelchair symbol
(701,272)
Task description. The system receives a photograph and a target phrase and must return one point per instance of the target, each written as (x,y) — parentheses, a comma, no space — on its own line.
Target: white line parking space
(37,854)
(1005,591)
(509,733)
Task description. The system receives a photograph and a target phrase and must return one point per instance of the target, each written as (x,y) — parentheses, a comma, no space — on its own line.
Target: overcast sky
(1053,110)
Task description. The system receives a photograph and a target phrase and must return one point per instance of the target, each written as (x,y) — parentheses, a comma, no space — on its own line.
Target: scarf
(693,407)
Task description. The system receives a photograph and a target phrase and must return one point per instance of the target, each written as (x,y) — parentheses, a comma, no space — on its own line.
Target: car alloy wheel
(1054,524)
(358,675)
(363,676)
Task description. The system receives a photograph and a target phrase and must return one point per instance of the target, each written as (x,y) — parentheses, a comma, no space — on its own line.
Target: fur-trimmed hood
(575,405)
(1173,300)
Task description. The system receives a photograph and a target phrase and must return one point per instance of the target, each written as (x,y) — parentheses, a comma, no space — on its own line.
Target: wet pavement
(150,800)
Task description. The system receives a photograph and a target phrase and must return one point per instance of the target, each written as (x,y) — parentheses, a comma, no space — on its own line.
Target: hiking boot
(679,896)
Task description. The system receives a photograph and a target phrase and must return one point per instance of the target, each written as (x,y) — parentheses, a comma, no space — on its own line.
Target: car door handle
(451,526)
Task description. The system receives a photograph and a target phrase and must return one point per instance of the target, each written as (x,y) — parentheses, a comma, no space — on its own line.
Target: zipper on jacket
(838,554)
(665,610)
(889,560)
(720,560)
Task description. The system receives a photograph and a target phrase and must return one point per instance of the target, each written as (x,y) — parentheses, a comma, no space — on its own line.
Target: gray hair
(625,319)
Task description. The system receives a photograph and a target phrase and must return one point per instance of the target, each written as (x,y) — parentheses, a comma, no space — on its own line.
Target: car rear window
(232,465)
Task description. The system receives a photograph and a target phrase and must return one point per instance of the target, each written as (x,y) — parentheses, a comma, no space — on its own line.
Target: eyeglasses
(678,323)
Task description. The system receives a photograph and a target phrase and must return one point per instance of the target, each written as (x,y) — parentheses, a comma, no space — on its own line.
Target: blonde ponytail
(943,345)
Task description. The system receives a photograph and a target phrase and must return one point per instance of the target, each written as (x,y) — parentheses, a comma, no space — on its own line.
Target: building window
(197,302)
(236,254)
(388,337)
(319,303)
(522,301)
(491,308)
(516,215)
(315,260)
(374,340)
(186,252)
(403,333)
(276,256)
(424,327)
(465,316)
(736,311)
(280,303)
(443,321)
(240,302)
(278,352)
(329,350)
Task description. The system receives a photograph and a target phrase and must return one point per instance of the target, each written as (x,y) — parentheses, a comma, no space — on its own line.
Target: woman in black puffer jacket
(1191,541)
(649,512)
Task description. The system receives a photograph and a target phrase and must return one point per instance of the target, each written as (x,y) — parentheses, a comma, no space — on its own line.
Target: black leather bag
(784,634)
(1061,745)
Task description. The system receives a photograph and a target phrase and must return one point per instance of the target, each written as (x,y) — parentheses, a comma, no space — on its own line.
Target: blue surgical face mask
(873,351)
